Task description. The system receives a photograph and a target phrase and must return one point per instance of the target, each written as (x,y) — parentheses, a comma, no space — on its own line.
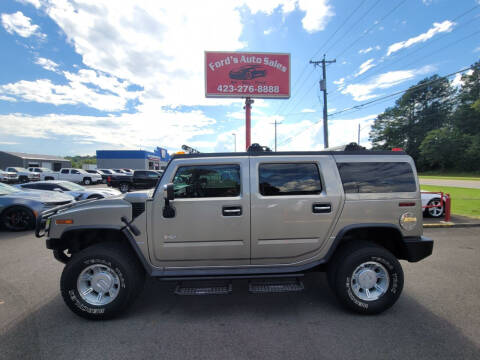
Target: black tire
(435,201)
(23,179)
(124,187)
(344,263)
(18,218)
(121,262)
(47,178)
(87,181)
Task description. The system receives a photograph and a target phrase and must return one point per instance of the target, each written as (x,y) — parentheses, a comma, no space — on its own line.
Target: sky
(82,75)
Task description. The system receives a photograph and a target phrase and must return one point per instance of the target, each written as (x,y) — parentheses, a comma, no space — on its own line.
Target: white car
(77,191)
(23,174)
(433,199)
(8,177)
(45,173)
(79,176)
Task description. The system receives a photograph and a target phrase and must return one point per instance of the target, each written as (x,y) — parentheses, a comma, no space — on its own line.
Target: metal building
(17,159)
(133,159)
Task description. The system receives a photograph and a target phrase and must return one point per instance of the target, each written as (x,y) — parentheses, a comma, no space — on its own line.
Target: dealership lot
(437,317)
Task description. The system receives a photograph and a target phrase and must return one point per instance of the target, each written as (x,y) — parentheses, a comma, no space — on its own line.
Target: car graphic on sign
(248,72)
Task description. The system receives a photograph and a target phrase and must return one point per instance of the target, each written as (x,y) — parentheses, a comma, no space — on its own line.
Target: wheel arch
(387,236)
(77,239)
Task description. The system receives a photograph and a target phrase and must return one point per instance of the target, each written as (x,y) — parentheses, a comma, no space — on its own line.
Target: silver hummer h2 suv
(268,217)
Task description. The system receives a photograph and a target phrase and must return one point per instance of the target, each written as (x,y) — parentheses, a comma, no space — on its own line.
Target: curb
(444,224)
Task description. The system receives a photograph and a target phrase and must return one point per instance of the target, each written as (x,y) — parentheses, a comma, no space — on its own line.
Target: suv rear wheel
(101,281)
(87,181)
(366,278)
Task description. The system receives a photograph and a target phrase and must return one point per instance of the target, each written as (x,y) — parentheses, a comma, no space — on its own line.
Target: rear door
(211,226)
(295,203)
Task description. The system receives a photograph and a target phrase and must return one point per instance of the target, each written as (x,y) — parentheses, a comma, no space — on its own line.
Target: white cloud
(267,31)
(169,128)
(457,80)
(365,91)
(340,83)
(308,110)
(35,3)
(317,12)
(478,48)
(20,24)
(8,143)
(365,51)
(365,67)
(7,98)
(445,26)
(47,64)
(427,2)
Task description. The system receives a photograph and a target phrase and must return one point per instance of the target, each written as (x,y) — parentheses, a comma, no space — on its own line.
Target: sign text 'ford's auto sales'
(240,74)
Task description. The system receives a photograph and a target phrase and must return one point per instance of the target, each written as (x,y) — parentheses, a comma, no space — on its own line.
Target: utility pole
(248,108)
(234,142)
(276,123)
(323,87)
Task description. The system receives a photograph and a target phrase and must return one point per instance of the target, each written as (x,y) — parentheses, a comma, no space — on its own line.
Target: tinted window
(152,174)
(65,171)
(377,177)
(140,173)
(75,172)
(289,179)
(30,186)
(207,181)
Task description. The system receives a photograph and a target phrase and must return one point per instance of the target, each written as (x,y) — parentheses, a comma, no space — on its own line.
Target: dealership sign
(247,75)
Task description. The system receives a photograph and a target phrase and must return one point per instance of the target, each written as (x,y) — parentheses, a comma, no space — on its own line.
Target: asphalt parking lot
(437,317)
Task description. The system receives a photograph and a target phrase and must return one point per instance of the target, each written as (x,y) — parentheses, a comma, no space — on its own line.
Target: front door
(211,226)
(293,208)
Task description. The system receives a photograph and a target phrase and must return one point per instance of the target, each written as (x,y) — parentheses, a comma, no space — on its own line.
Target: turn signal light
(64,221)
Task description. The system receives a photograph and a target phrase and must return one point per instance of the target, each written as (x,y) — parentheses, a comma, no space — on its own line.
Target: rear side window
(207,181)
(65,171)
(289,179)
(377,177)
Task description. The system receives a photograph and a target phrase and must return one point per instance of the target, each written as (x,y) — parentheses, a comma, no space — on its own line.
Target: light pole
(234,142)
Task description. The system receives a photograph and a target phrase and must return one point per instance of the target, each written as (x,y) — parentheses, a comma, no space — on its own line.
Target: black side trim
(286,269)
(146,265)
(137,209)
(417,247)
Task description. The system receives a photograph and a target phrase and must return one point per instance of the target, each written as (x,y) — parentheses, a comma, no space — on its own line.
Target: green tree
(467,114)
(422,108)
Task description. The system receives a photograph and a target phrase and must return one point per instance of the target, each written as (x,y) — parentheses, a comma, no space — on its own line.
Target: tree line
(435,122)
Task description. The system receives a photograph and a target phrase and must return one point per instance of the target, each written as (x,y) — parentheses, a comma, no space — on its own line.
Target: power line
(370,28)
(317,52)
(382,99)
(355,24)
(408,55)
(399,92)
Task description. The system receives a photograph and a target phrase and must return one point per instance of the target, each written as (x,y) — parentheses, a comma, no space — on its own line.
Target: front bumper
(417,248)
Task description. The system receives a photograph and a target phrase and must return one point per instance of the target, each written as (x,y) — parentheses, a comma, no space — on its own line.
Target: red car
(248,72)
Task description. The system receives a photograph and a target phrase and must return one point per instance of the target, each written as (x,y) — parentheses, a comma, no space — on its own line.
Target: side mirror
(168,192)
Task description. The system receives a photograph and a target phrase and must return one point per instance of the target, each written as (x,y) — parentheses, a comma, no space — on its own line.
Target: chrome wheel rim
(370,281)
(123,188)
(98,285)
(437,210)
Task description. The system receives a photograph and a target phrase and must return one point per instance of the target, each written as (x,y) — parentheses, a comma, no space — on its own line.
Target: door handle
(232,211)
(321,208)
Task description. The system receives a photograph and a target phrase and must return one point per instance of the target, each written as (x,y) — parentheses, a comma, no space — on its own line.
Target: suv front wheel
(366,278)
(101,281)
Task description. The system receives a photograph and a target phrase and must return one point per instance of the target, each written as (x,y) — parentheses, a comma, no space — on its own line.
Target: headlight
(408,221)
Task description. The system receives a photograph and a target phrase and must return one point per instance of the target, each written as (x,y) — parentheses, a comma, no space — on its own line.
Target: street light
(234,142)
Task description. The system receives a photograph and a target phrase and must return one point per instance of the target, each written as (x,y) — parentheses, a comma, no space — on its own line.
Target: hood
(105,191)
(137,196)
(42,196)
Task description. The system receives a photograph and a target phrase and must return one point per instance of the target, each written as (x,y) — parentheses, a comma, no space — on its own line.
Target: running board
(207,288)
(275,285)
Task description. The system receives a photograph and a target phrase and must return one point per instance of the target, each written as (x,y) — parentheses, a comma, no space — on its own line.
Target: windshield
(7,189)
(72,186)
